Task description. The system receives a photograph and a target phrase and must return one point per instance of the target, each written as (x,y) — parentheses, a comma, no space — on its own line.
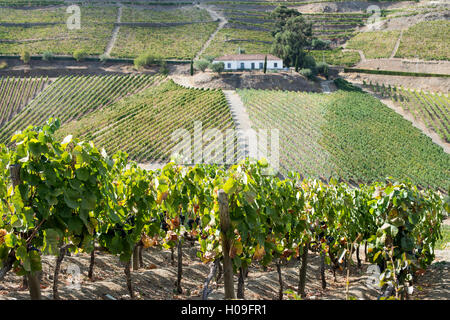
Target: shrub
(25,56)
(47,56)
(201,64)
(217,67)
(144,60)
(3,65)
(307,73)
(80,54)
(163,67)
(322,68)
(210,59)
(345,85)
(309,63)
(319,44)
(104,57)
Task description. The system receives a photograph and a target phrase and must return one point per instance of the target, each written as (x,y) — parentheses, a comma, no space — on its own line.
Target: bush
(80,54)
(319,44)
(210,59)
(322,68)
(163,67)
(201,65)
(345,85)
(309,63)
(47,56)
(3,65)
(25,56)
(104,57)
(307,73)
(217,67)
(144,60)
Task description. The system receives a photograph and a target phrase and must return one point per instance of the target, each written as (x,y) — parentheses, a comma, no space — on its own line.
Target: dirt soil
(157,279)
(423,83)
(248,80)
(349,6)
(16,68)
(406,65)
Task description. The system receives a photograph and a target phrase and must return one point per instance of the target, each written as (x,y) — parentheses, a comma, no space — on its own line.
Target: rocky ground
(158,277)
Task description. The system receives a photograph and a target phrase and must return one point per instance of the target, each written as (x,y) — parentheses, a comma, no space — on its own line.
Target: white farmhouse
(250,61)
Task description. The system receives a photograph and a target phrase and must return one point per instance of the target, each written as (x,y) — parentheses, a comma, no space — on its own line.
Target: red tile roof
(243,57)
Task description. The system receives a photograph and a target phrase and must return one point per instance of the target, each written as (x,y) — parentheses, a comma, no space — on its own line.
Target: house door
(253,65)
(242,65)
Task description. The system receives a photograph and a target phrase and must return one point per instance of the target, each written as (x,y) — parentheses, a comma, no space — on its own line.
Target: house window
(275,65)
(229,65)
(261,65)
(242,65)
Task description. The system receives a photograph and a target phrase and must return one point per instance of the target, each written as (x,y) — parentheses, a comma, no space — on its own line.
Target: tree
(281,14)
(47,56)
(192,68)
(25,57)
(201,64)
(265,64)
(217,67)
(80,54)
(291,39)
(144,60)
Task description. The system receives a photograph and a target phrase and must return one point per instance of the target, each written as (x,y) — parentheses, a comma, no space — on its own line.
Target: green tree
(281,14)
(290,41)
(217,67)
(192,68)
(47,56)
(201,64)
(265,64)
(25,57)
(144,60)
(80,54)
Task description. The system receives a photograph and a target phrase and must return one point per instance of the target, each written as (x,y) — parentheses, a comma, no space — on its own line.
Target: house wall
(234,65)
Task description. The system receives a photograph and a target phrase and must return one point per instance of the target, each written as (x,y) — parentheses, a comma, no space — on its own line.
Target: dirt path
(240,118)
(215,15)
(155,281)
(408,116)
(115,33)
(397,44)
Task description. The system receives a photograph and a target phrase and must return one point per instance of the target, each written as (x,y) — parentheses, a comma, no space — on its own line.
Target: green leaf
(82,174)
(230,186)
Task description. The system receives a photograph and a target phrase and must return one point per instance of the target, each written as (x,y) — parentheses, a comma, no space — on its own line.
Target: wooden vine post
(302,274)
(225,224)
(33,281)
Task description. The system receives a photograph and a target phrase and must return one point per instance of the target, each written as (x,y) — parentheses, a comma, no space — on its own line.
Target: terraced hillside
(72,97)
(346,134)
(39,30)
(142,125)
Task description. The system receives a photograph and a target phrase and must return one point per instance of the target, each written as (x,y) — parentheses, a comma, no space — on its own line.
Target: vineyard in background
(142,124)
(350,135)
(16,93)
(72,97)
(433,109)
(61,197)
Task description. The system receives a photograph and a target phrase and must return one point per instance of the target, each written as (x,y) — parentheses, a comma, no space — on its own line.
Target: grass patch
(179,42)
(428,40)
(375,45)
